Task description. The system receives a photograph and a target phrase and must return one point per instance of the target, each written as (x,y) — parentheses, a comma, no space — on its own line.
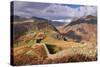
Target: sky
(53,11)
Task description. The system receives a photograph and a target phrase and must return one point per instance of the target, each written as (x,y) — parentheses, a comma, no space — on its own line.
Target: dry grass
(30,60)
(71,58)
(26,60)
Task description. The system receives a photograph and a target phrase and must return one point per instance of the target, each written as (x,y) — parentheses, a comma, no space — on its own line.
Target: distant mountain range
(84,27)
(19,19)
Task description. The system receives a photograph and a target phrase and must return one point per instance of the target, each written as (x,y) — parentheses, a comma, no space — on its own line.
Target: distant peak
(90,16)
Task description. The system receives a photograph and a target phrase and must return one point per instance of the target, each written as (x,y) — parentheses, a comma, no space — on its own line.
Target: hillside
(84,29)
(35,25)
(37,41)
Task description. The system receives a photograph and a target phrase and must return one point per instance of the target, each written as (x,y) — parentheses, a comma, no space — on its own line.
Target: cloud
(84,11)
(53,11)
(31,8)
